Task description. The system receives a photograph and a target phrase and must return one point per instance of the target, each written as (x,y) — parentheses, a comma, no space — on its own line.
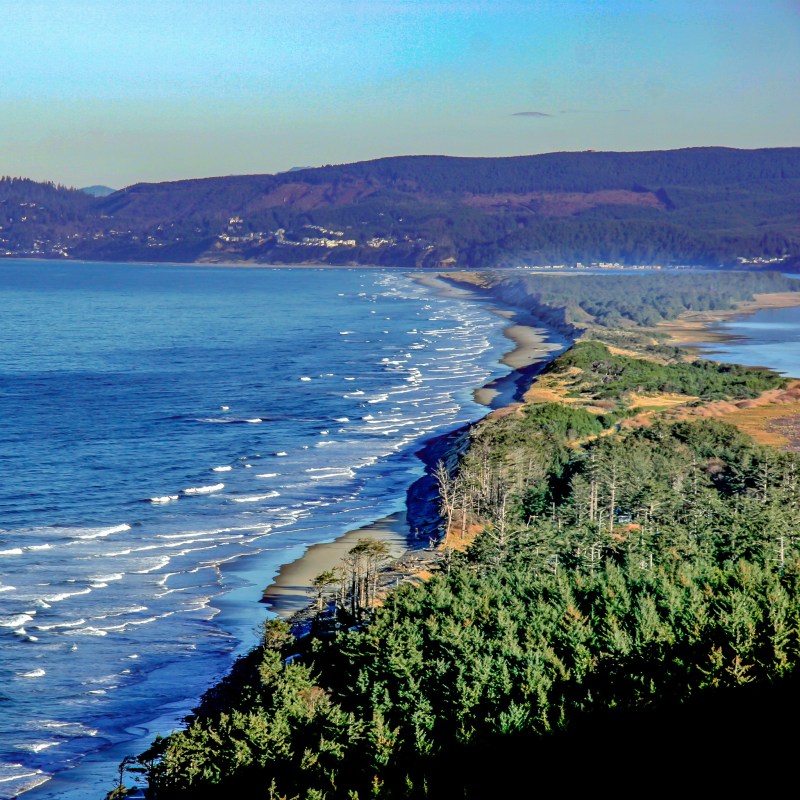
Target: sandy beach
(289,593)
(771,419)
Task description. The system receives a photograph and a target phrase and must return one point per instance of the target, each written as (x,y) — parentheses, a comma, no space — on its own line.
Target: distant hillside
(98,191)
(704,206)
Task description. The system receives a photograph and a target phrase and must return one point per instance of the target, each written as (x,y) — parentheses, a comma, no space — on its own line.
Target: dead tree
(448,494)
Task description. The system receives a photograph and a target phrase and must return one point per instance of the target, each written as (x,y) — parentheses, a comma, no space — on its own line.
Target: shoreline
(534,344)
(289,594)
(221,264)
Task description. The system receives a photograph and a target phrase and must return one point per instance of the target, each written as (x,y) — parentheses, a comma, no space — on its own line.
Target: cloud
(530,114)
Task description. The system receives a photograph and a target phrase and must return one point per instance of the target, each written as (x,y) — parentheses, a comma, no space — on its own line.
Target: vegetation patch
(606,375)
(658,402)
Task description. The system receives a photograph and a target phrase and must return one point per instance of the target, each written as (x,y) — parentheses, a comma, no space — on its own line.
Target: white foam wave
(225,468)
(16,621)
(254,498)
(72,728)
(341,419)
(227,420)
(125,625)
(166,498)
(88,631)
(203,489)
(72,624)
(350,395)
(114,576)
(34,673)
(305,378)
(332,473)
(280,453)
(36,747)
(14,551)
(57,598)
(268,475)
(99,533)
(7,588)
(25,780)
(120,613)
(158,563)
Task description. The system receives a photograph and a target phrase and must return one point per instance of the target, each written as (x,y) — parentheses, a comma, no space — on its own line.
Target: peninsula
(615,565)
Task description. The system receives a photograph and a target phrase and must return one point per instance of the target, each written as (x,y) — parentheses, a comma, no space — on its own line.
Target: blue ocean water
(169,437)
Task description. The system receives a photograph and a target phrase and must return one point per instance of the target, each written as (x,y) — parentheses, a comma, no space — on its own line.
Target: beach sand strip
(290,592)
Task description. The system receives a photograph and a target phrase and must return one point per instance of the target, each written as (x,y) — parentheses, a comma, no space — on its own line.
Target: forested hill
(703,206)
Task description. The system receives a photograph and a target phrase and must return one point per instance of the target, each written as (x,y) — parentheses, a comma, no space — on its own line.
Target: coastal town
(237,236)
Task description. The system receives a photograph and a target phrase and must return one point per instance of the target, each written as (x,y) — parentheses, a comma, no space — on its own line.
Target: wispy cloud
(530,114)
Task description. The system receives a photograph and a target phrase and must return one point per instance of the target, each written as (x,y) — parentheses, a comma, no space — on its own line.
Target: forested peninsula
(708,206)
(615,602)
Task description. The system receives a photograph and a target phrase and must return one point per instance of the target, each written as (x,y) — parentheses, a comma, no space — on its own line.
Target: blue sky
(121,91)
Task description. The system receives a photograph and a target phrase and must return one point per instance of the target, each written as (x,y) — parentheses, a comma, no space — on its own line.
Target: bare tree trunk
(447,494)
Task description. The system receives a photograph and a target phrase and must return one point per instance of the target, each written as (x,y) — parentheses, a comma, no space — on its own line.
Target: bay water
(767,338)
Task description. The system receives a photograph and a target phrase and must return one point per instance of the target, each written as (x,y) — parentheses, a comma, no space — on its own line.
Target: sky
(117,92)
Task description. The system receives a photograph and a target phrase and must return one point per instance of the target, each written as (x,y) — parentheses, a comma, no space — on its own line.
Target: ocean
(169,437)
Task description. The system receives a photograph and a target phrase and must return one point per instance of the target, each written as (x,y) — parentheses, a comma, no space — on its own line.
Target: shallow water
(169,437)
(768,338)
